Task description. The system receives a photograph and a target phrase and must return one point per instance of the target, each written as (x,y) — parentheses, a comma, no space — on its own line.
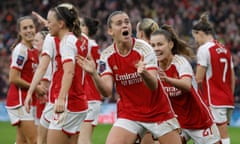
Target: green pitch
(7,134)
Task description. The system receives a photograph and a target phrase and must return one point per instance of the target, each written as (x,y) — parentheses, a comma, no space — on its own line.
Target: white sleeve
(68,48)
(183,66)
(203,56)
(103,66)
(19,56)
(48,73)
(150,59)
(49,46)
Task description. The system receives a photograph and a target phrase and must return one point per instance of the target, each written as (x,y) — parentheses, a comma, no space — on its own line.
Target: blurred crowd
(181,14)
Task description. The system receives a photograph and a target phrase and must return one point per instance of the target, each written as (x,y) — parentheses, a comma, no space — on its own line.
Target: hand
(141,66)
(28,102)
(59,105)
(88,64)
(41,20)
(162,75)
(41,90)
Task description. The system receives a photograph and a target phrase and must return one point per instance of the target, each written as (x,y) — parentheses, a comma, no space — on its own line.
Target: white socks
(225,141)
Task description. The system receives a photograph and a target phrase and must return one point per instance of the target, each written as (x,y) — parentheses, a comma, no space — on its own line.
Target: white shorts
(34,113)
(221,115)
(18,114)
(140,128)
(202,136)
(47,115)
(68,122)
(94,108)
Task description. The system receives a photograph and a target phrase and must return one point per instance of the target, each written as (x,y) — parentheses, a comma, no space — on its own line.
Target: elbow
(11,79)
(154,86)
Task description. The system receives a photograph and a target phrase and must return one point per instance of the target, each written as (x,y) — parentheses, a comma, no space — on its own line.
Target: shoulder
(178,59)
(108,51)
(206,46)
(20,49)
(69,38)
(143,47)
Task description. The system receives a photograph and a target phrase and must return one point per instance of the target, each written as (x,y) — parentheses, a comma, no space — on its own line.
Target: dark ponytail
(69,14)
(204,25)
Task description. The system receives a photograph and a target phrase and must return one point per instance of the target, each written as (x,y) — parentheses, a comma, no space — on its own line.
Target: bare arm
(41,20)
(66,83)
(103,84)
(200,73)
(149,76)
(184,83)
(41,69)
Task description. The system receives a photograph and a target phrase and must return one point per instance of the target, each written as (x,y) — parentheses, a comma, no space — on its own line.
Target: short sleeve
(150,59)
(68,48)
(103,65)
(19,56)
(203,56)
(183,66)
(49,46)
(48,73)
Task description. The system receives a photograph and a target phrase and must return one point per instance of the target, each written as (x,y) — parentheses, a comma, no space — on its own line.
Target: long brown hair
(69,14)
(19,38)
(180,47)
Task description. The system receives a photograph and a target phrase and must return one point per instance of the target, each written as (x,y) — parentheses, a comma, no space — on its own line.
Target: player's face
(38,41)
(53,24)
(83,26)
(121,29)
(27,30)
(197,35)
(161,46)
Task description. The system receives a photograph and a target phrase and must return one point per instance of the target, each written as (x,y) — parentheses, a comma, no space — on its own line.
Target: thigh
(171,137)
(28,130)
(120,135)
(57,137)
(42,135)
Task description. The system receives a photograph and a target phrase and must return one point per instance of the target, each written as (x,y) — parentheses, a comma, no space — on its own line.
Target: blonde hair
(148,26)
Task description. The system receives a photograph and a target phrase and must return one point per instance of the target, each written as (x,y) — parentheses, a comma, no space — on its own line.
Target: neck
(62,33)
(208,38)
(27,44)
(164,64)
(124,48)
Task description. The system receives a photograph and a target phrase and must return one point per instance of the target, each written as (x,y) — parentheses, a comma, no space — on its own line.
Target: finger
(27,107)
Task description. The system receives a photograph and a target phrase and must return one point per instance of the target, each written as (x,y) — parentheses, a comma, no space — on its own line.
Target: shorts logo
(102,66)
(20,60)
